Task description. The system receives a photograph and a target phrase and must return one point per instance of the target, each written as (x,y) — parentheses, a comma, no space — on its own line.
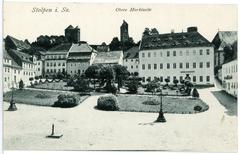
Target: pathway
(85,128)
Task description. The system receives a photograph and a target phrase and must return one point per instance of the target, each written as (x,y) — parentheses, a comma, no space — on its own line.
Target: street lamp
(12,106)
(161,117)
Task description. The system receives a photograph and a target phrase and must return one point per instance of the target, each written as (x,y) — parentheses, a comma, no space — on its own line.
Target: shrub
(197,108)
(66,101)
(21,85)
(81,85)
(195,93)
(108,103)
(132,87)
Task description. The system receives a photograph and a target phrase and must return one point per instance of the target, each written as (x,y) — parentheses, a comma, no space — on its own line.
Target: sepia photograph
(120,77)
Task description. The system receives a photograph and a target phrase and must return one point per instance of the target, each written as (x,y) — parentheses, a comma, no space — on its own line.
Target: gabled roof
(70,27)
(18,43)
(22,56)
(224,38)
(173,40)
(80,51)
(111,57)
(131,53)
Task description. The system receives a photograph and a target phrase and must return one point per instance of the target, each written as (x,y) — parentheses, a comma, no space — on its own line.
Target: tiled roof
(14,63)
(224,38)
(18,43)
(131,53)
(173,40)
(80,51)
(110,57)
(64,47)
(23,56)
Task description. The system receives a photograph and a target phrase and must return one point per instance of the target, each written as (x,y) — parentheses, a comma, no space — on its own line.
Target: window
(187,65)
(174,78)
(208,52)
(149,66)
(59,64)
(8,70)
(194,65)
(5,79)
(168,78)
(201,52)
(155,66)
(174,65)
(136,66)
(143,66)
(18,72)
(201,78)
(143,55)
(149,54)
(208,78)
(187,52)
(143,79)
(194,78)
(161,66)
(208,64)
(154,54)
(47,64)
(63,64)
(181,53)
(59,70)
(168,53)
(174,53)
(194,52)
(168,65)
(131,67)
(201,65)
(180,65)
(126,60)
(38,69)
(50,64)
(160,54)
(54,64)
(131,60)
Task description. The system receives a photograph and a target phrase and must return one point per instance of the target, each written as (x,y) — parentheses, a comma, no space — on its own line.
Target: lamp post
(161,117)
(12,106)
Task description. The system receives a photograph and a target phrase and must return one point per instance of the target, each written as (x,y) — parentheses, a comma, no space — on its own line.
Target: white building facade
(175,56)
(229,77)
(79,58)
(131,59)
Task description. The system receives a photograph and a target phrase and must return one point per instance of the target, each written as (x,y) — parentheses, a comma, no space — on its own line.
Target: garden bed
(54,86)
(178,105)
(37,97)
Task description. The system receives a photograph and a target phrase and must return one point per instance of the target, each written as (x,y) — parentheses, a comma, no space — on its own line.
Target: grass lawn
(54,86)
(27,96)
(179,105)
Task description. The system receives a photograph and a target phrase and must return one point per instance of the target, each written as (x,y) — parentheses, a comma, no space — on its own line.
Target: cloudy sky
(101,22)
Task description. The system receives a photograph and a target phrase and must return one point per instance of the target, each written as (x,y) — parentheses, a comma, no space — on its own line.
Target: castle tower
(72,34)
(124,31)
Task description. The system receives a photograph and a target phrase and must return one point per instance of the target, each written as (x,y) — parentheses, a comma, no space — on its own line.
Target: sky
(101,22)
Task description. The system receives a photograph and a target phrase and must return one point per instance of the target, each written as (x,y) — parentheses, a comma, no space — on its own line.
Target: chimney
(192,29)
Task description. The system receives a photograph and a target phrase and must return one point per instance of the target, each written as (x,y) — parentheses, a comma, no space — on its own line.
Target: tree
(92,72)
(121,74)
(60,75)
(146,32)
(195,93)
(154,31)
(175,81)
(81,84)
(151,87)
(166,80)
(21,84)
(133,84)
(115,44)
(107,74)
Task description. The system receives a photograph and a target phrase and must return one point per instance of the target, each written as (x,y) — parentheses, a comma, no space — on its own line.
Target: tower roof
(70,27)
